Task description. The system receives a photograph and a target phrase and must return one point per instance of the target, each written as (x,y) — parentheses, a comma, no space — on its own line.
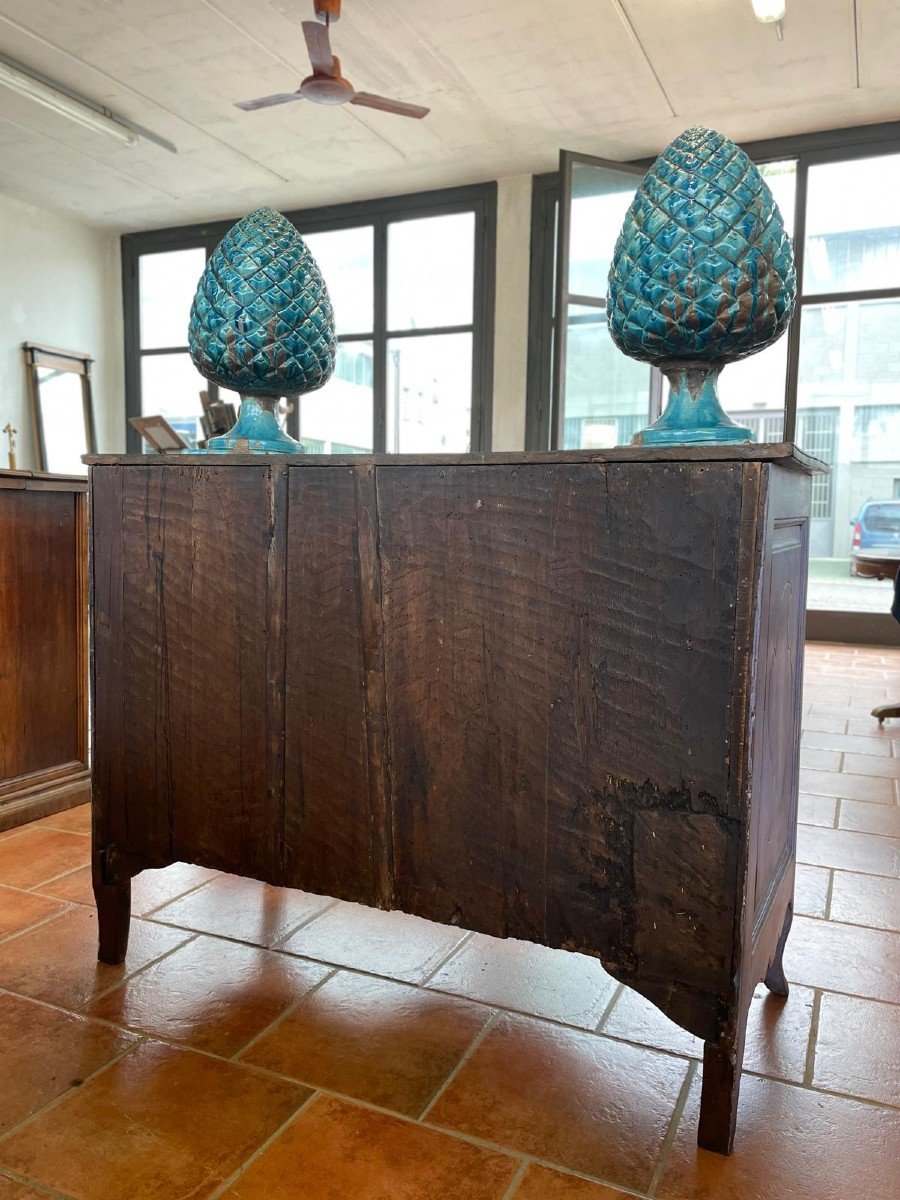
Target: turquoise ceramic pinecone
(703,268)
(261,323)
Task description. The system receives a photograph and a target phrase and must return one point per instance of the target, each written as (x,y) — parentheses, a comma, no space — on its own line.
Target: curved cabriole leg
(775,980)
(113,896)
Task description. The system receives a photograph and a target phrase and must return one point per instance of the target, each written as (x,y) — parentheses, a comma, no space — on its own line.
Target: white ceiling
(509,82)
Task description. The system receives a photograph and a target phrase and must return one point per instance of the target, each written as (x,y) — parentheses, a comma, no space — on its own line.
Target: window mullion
(793,333)
(379,341)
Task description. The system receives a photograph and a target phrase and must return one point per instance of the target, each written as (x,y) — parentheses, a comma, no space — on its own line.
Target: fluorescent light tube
(768,10)
(67,106)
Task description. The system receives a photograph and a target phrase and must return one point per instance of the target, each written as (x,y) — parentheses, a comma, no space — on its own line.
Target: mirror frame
(37,356)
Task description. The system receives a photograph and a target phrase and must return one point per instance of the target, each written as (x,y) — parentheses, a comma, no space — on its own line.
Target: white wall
(59,285)
(511,311)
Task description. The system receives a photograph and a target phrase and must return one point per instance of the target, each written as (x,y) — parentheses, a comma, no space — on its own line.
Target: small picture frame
(158,433)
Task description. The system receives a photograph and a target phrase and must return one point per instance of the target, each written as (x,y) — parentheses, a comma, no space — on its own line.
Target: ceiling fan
(326,85)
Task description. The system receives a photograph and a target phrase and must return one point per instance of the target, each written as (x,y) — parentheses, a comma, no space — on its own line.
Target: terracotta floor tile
(341,1152)
(585,1102)
(870,764)
(243,909)
(866,900)
(210,994)
(858,1048)
(811,890)
(44,1052)
(868,727)
(791,1143)
(10,1189)
(58,961)
(18,910)
(820,760)
(824,724)
(385,943)
(160,1123)
(854,743)
(571,988)
(870,818)
(373,1039)
(852,787)
(73,820)
(817,810)
(848,851)
(148,890)
(844,958)
(74,887)
(540,1183)
(777,1030)
(36,855)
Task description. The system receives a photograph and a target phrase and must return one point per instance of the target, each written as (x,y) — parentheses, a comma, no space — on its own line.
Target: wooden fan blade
(319,47)
(267,101)
(399,107)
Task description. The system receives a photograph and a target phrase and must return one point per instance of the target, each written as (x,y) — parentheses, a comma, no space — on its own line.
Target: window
(411,282)
(169,383)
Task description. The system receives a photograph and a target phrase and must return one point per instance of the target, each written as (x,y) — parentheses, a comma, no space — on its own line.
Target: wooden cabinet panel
(550,697)
(43,661)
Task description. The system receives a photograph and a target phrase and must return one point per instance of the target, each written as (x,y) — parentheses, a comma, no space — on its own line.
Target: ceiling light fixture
(770,12)
(77,109)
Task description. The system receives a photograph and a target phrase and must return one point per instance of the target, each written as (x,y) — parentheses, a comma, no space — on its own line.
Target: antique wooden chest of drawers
(552,697)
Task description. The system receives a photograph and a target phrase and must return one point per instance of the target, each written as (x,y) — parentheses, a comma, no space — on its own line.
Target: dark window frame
(808,150)
(478,198)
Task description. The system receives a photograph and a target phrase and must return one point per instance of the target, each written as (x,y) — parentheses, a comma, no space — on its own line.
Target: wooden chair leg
(775,980)
(113,896)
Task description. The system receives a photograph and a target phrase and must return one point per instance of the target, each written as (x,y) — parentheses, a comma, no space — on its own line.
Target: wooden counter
(43,645)
(552,697)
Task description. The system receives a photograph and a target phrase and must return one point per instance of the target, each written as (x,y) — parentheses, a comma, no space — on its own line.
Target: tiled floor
(262,1044)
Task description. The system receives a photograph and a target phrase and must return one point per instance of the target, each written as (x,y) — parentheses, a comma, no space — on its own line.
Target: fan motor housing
(326,89)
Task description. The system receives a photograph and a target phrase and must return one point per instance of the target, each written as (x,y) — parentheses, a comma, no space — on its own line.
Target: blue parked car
(876,528)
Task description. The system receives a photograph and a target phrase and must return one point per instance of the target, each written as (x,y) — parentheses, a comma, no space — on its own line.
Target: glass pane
(600,199)
(431,271)
(345,260)
(338,418)
(848,413)
(62,419)
(429,394)
(171,387)
(167,286)
(853,225)
(607,393)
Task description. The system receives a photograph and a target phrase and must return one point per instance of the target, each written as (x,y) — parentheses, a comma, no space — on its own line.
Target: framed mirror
(59,385)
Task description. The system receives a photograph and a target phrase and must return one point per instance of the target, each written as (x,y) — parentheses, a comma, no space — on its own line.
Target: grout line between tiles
(41,1188)
(68,1092)
(810,1068)
(672,1130)
(9,937)
(260,1150)
(604,1016)
(172,899)
(310,920)
(129,975)
(517,1178)
(464,941)
(476,1042)
(829,894)
(291,1008)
